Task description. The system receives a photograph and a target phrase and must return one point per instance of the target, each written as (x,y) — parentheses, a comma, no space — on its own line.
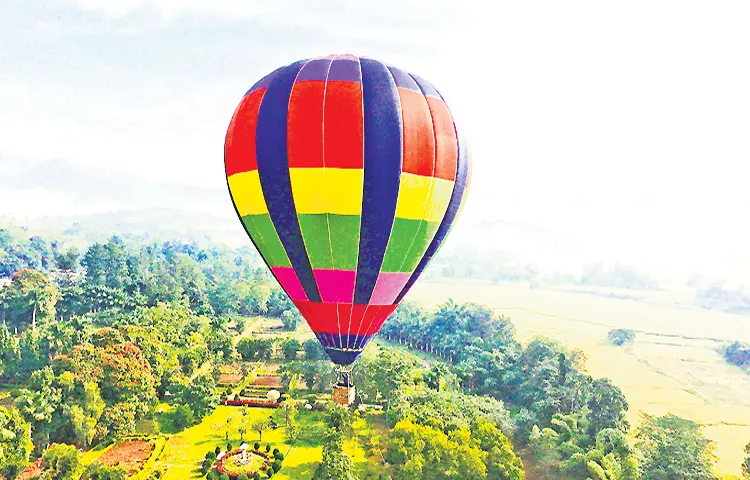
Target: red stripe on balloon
(419,136)
(445,139)
(305,125)
(239,146)
(343,125)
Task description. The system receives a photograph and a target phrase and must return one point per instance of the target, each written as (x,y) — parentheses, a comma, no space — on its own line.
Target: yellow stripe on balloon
(440,197)
(247,193)
(307,190)
(336,191)
(345,187)
(413,195)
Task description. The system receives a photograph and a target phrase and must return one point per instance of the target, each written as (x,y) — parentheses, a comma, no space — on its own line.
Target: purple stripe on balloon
(335,286)
(383,141)
(426,87)
(403,79)
(265,81)
(347,70)
(273,168)
(314,70)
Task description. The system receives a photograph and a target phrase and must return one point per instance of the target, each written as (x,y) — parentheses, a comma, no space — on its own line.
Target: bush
(97,471)
(268,448)
(242,476)
(275,451)
(256,446)
(279,456)
(269,472)
(229,447)
(276,466)
(217,450)
(212,475)
(621,336)
(256,476)
(224,476)
(211,455)
(207,463)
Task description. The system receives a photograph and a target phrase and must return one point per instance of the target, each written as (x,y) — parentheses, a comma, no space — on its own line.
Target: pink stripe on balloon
(388,287)
(287,277)
(336,285)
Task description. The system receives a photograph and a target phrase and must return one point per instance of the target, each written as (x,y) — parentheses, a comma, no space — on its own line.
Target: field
(185,451)
(673,366)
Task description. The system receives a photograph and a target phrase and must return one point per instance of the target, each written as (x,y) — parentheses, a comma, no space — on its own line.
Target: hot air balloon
(347,174)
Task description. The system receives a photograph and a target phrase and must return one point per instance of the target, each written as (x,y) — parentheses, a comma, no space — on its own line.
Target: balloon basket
(344,392)
(343,395)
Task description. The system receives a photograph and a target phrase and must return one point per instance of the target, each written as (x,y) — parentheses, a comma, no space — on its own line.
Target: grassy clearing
(673,365)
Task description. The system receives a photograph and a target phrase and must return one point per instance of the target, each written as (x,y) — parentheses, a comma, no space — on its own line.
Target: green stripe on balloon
(264,234)
(315,232)
(344,240)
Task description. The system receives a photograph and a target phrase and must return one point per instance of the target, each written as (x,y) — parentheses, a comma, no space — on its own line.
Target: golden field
(673,366)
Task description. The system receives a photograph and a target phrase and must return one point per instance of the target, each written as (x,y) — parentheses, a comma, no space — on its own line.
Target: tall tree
(30,297)
(674,448)
(15,442)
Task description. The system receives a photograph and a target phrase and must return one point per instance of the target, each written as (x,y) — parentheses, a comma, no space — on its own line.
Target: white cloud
(622,124)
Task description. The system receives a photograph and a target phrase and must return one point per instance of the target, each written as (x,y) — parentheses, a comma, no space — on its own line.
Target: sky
(622,124)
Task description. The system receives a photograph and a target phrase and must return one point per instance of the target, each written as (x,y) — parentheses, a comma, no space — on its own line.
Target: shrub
(217,450)
(242,476)
(224,476)
(256,446)
(268,448)
(621,336)
(256,476)
(279,456)
(269,472)
(212,475)
(275,451)
(276,466)
(211,455)
(229,447)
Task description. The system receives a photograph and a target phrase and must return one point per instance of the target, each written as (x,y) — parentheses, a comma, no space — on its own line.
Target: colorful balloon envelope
(347,174)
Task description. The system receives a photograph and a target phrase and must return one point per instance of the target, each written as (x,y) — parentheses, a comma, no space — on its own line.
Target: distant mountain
(64,188)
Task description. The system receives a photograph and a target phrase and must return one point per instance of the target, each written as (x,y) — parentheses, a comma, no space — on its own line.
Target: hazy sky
(624,123)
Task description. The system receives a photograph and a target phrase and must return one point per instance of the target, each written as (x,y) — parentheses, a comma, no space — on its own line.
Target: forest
(133,339)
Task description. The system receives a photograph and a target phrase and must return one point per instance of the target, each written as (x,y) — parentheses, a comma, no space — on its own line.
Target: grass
(185,451)
(672,367)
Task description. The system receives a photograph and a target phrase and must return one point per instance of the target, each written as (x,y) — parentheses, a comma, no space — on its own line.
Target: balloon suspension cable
(345,375)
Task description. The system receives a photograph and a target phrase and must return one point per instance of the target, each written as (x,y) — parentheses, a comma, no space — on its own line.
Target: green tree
(61,462)
(290,348)
(313,350)
(502,462)
(291,318)
(67,261)
(674,448)
(607,407)
(201,395)
(336,465)
(15,442)
(260,426)
(117,420)
(97,471)
(31,297)
(255,348)
(420,452)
